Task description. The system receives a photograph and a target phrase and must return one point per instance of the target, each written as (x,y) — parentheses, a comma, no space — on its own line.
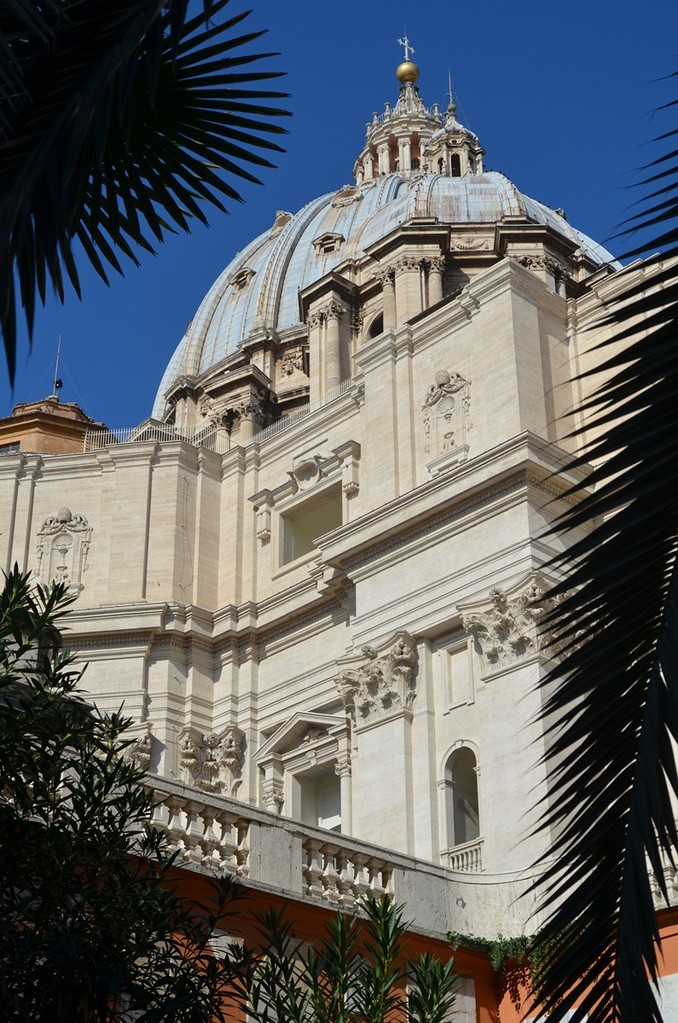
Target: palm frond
(611,703)
(119,122)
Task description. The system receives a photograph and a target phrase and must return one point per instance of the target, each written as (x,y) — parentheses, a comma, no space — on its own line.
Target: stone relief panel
(506,632)
(292,362)
(62,548)
(213,761)
(384,685)
(446,417)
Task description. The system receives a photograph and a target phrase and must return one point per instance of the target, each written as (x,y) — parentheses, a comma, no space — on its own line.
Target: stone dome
(258,290)
(420,177)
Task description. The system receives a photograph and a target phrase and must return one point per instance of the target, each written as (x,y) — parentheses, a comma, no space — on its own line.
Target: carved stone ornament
(466,243)
(292,362)
(542,262)
(282,218)
(306,471)
(383,685)
(62,549)
(241,278)
(506,632)
(332,310)
(250,405)
(405,264)
(214,761)
(446,414)
(272,795)
(346,196)
(141,745)
(385,275)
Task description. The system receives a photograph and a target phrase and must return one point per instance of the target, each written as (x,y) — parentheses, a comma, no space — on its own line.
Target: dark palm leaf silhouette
(118,122)
(614,694)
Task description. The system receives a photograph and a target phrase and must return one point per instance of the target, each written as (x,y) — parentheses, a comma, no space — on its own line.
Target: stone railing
(467,857)
(204,835)
(221,835)
(215,438)
(335,874)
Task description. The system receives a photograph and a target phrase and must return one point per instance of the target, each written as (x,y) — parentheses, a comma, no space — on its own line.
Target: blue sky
(561,96)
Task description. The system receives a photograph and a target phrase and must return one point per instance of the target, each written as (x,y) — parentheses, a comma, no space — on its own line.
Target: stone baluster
(313,870)
(194,833)
(330,879)
(361,880)
(242,854)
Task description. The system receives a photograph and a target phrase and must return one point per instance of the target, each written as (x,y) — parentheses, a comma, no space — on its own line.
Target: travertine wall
(386,648)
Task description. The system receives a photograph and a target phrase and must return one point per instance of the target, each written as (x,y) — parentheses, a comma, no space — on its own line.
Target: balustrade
(467,857)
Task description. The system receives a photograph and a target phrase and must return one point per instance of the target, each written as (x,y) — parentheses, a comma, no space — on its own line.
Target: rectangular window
(302,525)
(9,449)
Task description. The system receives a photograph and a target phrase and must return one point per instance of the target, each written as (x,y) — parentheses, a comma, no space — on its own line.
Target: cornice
(526,453)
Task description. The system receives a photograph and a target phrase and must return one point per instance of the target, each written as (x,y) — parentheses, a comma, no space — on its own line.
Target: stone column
(248,410)
(408,287)
(436,268)
(333,312)
(387,278)
(314,322)
(343,769)
(405,155)
(383,158)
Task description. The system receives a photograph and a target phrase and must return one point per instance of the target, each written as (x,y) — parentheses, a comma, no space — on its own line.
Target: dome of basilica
(418,166)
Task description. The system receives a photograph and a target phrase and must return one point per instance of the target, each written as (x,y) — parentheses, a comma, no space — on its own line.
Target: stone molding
(383,685)
(212,761)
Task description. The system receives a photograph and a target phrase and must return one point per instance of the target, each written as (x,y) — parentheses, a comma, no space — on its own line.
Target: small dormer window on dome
(241,278)
(327,243)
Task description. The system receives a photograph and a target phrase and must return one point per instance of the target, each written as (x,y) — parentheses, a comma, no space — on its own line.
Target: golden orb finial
(407,72)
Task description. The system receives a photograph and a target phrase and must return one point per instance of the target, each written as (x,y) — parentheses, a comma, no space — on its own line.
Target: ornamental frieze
(383,685)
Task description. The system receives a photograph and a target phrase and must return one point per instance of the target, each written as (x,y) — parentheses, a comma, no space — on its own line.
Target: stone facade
(333,617)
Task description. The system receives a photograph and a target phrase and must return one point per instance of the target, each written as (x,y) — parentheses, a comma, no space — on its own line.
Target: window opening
(377,326)
(302,525)
(461,798)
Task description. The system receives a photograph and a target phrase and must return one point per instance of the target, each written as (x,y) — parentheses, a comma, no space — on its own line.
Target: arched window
(455,163)
(376,326)
(461,798)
